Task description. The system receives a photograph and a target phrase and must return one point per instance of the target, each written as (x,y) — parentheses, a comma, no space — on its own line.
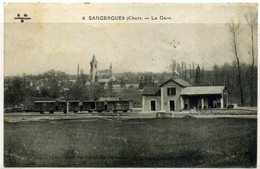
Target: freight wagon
(122,105)
(74,106)
(13,110)
(29,107)
(16,109)
(62,106)
(100,106)
(45,106)
(89,105)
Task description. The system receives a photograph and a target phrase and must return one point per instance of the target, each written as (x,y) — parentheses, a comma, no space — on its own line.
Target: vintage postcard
(130,85)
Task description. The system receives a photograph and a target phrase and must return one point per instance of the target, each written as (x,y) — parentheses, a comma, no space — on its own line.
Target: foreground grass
(132,143)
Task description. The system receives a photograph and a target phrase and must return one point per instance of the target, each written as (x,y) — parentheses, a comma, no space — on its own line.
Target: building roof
(94,60)
(179,81)
(103,80)
(104,71)
(109,99)
(202,90)
(151,90)
(112,78)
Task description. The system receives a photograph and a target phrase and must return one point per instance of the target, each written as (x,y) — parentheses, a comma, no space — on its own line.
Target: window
(171,91)
(95,66)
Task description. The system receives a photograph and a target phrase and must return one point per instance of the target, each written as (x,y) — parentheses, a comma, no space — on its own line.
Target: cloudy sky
(58,38)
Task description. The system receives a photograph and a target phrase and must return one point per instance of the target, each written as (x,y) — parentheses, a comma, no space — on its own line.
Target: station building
(177,94)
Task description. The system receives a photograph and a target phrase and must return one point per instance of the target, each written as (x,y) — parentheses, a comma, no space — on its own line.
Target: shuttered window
(171,91)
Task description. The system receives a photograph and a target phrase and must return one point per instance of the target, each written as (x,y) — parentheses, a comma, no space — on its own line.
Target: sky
(57,38)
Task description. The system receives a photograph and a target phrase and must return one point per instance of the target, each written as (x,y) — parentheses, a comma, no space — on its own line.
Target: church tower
(93,70)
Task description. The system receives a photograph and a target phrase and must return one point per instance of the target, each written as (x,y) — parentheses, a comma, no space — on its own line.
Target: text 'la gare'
(160,18)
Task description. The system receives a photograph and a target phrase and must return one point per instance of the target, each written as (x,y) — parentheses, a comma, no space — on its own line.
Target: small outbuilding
(204,97)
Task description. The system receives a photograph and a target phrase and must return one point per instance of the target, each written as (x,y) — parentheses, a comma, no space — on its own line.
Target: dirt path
(19,117)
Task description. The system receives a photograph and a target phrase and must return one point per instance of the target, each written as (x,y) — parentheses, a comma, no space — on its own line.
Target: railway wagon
(126,105)
(13,110)
(111,105)
(88,105)
(62,106)
(100,106)
(8,110)
(16,109)
(29,107)
(74,106)
(122,105)
(45,106)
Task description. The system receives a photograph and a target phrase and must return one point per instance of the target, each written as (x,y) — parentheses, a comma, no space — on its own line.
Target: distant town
(56,85)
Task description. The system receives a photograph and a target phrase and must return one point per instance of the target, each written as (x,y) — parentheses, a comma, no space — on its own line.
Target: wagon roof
(203,90)
(44,101)
(88,101)
(73,101)
(109,99)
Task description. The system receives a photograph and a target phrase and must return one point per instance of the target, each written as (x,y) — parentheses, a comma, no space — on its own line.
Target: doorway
(172,106)
(153,106)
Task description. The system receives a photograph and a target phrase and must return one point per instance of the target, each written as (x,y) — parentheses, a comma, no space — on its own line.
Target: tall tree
(83,77)
(252,23)
(197,76)
(190,74)
(141,82)
(216,80)
(185,71)
(15,92)
(234,29)
(122,83)
(202,76)
(193,73)
(178,68)
(182,69)
(110,89)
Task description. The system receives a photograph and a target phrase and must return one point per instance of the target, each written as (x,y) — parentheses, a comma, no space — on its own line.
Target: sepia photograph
(130,85)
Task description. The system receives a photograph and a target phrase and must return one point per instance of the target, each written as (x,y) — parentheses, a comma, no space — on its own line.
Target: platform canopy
(203,90)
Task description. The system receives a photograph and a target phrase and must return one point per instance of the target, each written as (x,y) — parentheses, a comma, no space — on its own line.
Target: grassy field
(182,142)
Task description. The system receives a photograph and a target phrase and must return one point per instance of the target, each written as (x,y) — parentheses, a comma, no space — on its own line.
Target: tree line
(228,75)
(55,84)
